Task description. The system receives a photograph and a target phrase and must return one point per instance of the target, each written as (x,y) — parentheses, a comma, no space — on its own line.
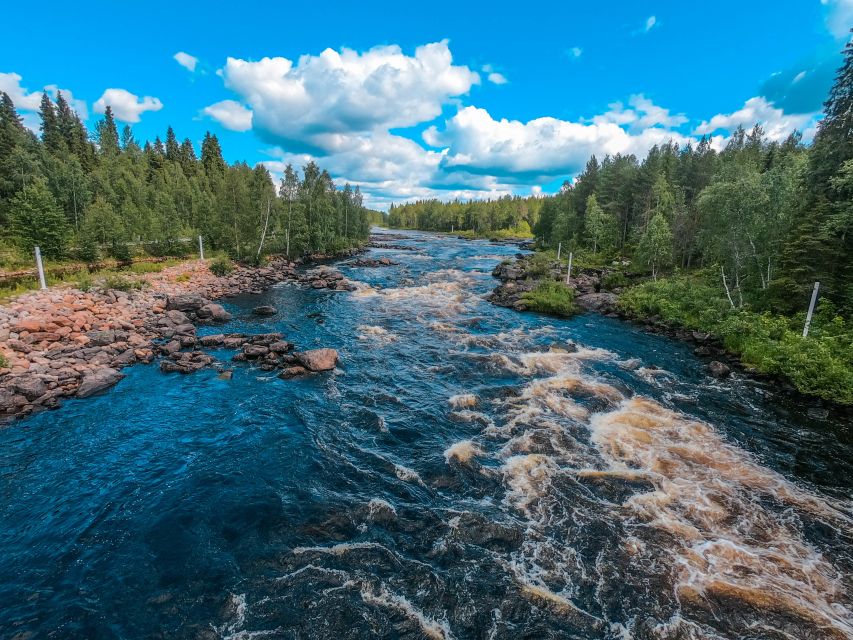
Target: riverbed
(466,472)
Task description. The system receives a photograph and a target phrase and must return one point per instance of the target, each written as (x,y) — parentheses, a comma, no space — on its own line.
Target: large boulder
(603,302)
(318,359)
(185,302)
(97,381)
(30,387)
(213,312)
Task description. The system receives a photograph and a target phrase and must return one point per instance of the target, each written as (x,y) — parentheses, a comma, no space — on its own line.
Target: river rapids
(466,472)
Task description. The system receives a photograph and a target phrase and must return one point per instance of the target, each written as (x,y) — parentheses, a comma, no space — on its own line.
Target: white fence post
(201,247)
(40,267)
(569,272)
(811,309)
(559,249)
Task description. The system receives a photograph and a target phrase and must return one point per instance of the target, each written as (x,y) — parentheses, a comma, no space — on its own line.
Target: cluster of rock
(518,277)
(63,342)
(325,278)
(373,262)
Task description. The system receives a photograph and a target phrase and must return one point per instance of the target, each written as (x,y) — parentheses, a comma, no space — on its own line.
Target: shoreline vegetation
(721,243)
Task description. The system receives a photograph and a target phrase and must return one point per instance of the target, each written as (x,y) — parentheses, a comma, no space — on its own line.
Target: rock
(97,381)
(185,330)
(213,312)
(213,340)
(185,302)
(233,342)
(699,336)
(601,302)
(170,347)
(30,387)
(265,310)
(719,370)
(226,375)
(292,372)
(101,338)
(280,347)
(265,339)
(124,359)
(255,350)
(7,400)
(318,359)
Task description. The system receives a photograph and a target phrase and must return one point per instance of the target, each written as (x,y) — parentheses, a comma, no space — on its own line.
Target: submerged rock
(318,359)
(265,310)
(718,369)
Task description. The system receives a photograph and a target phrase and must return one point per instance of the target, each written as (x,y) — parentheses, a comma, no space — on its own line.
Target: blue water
(193,507)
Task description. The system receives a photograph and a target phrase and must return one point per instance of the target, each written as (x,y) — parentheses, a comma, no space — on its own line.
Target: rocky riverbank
(65,342)
(525,272)
(593,292)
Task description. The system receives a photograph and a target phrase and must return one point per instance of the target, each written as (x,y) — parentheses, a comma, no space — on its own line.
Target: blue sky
(449,100)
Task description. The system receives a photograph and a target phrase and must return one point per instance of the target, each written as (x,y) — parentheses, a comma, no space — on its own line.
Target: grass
(819,365)
(4,363)
(551,297)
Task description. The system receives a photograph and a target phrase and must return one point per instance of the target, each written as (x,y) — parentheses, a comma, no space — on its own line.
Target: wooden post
(811,309)
(569,272)
(40,267)
(559,249)
(201,247)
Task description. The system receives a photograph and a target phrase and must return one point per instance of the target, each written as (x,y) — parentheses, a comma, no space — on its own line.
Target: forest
(112,197)
(762,219)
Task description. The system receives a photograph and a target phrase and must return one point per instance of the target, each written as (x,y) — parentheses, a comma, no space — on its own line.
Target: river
(467,472)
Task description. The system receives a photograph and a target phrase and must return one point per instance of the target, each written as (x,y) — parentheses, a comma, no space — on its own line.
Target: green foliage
(36,220)
(121,199)
(4,363)
(84,283)
(510,216)
(600,226)
(120,283)
(221,267)
(655,248)
(614,280)
(551,297)
(820,365)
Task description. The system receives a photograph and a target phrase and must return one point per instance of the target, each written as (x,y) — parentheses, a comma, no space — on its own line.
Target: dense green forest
(113,197)
(763,219)
(482,217)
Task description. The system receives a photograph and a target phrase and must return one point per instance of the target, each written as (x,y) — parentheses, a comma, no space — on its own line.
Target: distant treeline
(479,216)
(112,196)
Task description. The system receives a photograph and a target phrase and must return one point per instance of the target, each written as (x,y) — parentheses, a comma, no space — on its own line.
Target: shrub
(120,283)
(820,365)
(184,277)
(551,297)
(4,363)
(84,283)
(221,267)
(614,280)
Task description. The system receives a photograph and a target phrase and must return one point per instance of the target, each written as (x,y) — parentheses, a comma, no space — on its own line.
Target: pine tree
(211,156)
(50,133)
(172,147)
(107,134)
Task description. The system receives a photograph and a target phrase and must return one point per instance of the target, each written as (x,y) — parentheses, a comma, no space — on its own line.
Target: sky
(440,100)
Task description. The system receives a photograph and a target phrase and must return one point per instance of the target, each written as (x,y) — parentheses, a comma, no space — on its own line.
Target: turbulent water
(467,472)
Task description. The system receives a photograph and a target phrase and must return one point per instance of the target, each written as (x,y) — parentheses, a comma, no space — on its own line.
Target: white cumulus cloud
(126,106)
(839,16)
(651,21)
(230,114)
(187,61)
(25,100)
(497,78)
(776,123)
(345,92)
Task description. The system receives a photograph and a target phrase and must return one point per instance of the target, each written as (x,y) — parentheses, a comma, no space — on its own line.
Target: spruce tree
(107,134)
(37,221)
(50,133)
